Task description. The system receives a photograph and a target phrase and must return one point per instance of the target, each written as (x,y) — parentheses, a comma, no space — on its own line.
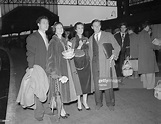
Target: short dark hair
(78,23)
(123,24)
(95,20)
(145,24)
(131,28)
(40,18)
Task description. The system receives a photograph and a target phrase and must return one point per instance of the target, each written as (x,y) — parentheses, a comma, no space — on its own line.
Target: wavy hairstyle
(54,26)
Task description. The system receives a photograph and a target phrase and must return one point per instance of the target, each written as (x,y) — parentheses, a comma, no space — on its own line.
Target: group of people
(84,70)
(139,48)
(91,69)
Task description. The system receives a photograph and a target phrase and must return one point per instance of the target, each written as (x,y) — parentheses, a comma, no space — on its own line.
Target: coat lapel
(41,39)
(101,38)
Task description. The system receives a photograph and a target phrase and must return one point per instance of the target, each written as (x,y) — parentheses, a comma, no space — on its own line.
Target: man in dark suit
(37,46)
(124,41)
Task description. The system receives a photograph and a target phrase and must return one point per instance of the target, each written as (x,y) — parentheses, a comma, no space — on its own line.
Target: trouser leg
(50,94)
(47,109)
(98,97)
(46,104)
(150,80)
(39,111)
(98,93)
(110,97)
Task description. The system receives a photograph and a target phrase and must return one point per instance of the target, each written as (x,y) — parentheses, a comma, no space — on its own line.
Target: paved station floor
(134,105)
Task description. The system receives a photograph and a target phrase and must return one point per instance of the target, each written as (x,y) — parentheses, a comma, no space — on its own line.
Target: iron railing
(64,2)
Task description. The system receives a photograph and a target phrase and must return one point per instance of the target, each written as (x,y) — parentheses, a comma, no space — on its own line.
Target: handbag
(127,69)
(157,90)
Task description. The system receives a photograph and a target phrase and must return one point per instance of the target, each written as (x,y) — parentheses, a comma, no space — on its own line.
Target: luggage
(157,90)
(127,69)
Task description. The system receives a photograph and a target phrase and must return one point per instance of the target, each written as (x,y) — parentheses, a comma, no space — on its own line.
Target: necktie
(97,37)
(123,37)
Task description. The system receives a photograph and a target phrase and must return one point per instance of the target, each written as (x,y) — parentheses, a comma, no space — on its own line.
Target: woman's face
(59,29)
(79,29)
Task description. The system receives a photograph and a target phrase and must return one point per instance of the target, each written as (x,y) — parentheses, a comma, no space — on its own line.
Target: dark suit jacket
(36,50)
(125,47)
(125,51)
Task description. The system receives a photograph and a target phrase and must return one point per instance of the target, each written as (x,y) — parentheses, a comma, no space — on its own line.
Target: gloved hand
(63,79)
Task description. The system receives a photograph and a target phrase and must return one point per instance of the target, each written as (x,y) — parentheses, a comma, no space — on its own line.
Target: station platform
(134,105)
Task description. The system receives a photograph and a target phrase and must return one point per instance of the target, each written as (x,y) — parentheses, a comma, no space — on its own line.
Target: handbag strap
(126,62)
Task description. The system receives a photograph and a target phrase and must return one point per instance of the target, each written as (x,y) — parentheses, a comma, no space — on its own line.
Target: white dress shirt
(43,34)
(123,36)
(97,36)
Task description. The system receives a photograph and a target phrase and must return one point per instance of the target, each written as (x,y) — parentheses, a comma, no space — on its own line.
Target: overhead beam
(110,3)
(137,2)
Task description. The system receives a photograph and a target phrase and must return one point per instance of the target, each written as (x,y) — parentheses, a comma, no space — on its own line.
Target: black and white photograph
(80,61)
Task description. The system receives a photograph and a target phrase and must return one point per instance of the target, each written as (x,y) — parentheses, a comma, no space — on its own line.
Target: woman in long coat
(58,66)
(147,65)
(82,63)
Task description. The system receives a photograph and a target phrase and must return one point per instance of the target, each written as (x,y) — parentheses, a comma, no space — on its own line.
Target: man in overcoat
(100,65)
(147,65)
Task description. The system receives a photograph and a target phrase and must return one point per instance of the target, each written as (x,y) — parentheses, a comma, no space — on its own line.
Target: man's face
(96,27)
(123,28)
(43,25)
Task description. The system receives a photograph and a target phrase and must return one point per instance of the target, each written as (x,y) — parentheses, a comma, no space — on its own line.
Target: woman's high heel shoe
(67,114)
(87,108)
(79,109)
(64,116)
